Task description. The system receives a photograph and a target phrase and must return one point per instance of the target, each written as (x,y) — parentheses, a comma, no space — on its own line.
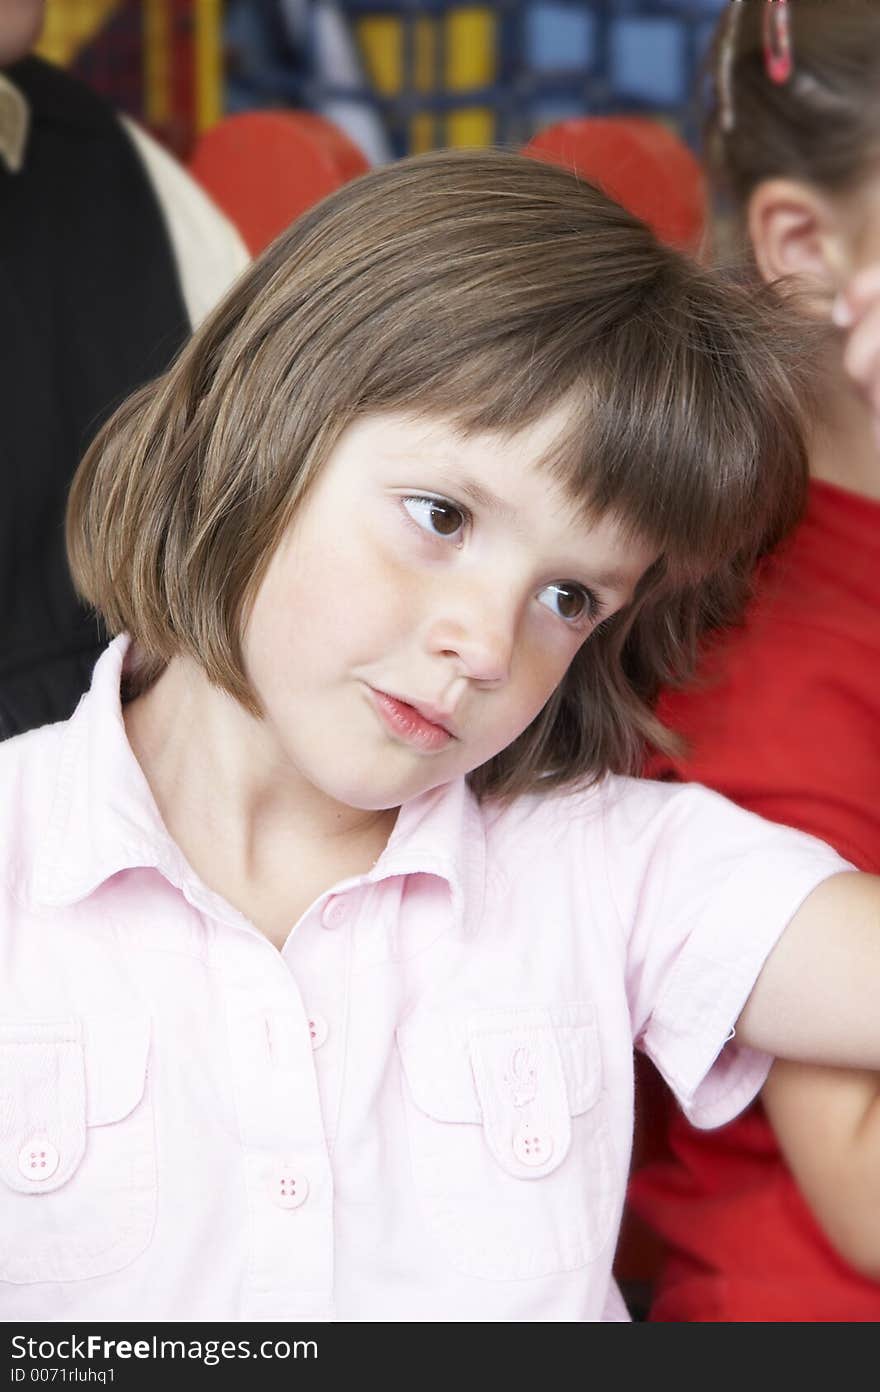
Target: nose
(477,633)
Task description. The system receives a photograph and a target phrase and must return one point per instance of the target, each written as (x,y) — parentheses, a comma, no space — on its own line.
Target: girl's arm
(827,1123)
(817,999)
(817,1003)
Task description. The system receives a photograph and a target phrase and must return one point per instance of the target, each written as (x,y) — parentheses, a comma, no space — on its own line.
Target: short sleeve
(704,890)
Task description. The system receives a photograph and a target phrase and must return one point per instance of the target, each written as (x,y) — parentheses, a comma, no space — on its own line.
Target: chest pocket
(77,1157)
(509,1138)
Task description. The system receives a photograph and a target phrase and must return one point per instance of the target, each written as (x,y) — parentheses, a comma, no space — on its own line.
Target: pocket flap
(56,1079)
(42,1104)
(436,1063)
(117,1048)
(522,1090)
(479,1068)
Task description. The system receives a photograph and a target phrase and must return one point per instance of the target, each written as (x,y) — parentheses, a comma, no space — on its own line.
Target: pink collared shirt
(420,1109)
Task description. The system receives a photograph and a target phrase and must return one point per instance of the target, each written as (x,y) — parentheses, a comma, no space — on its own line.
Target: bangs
(663,433)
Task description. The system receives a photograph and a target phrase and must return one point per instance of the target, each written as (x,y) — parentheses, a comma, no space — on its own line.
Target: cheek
(322,604)
(539,669)
(546,655)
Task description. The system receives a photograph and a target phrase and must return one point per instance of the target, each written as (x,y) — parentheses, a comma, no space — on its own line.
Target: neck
(843,445)
(246,820)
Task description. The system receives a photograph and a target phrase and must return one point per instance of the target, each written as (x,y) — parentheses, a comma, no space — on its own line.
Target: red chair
(264,168)
(640,163)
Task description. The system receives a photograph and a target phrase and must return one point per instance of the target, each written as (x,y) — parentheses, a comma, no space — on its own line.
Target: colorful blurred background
(399,76)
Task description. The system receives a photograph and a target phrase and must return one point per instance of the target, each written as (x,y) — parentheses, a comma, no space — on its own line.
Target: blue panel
(546,111)
(559,37)
(648,60)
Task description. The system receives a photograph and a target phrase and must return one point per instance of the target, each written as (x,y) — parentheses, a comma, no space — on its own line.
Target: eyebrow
(487,500)
(616,580)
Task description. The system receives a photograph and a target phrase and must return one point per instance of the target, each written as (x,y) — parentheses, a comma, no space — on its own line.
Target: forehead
(511,478)
(510,461)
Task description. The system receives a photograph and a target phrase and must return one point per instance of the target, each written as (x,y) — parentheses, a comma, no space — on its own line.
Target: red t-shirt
(786,722)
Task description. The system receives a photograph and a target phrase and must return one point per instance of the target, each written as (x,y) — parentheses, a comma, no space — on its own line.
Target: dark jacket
(90,308)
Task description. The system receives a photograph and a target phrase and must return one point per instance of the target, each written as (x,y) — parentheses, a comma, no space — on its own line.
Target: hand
(857,310)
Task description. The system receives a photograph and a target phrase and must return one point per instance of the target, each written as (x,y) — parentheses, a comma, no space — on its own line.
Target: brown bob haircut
(484,288)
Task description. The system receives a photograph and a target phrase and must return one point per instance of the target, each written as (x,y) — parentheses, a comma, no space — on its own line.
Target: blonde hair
(484,288)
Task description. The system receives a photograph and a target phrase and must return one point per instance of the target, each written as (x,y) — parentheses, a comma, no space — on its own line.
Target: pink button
(335,913)
(318,1029)
(288,1187)
(38,1159)
(532,1145)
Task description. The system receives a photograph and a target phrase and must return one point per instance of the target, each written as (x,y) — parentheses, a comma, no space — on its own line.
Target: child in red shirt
(775,1217)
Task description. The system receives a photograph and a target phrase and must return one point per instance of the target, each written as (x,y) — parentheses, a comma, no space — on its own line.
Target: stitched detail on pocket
(436,1053)
(523,1099)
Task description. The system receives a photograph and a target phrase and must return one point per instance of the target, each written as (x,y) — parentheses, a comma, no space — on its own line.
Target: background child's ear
(796,230)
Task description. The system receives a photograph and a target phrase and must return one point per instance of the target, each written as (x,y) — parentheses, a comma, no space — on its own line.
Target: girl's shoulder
(33,754)
(660,859)
(31,766)
(615,808)
(628,827)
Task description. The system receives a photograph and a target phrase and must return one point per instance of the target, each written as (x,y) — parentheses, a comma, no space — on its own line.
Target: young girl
(330,918)
(782,1223)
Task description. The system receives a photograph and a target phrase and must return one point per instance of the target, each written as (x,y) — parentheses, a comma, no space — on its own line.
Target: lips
(421,726)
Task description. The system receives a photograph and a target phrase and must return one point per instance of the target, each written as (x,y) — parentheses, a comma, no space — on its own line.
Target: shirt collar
(442,833)
(104,820)
(14,124)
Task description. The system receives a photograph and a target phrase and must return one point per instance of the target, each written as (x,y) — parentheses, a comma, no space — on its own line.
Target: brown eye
(569,601)
(435,515)
(445,519)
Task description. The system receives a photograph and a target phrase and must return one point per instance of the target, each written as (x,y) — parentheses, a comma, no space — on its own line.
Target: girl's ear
(795,230)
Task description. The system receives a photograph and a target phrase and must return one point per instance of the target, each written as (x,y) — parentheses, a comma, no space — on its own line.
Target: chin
(381,795)
(376,800)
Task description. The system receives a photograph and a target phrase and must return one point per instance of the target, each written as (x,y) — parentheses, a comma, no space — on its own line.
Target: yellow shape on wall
(469,43)
(70,25)
(470,62)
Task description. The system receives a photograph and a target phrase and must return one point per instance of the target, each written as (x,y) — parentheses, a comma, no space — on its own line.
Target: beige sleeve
(210,253)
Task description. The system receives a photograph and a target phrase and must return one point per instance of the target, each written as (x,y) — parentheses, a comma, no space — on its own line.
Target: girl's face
(424,605)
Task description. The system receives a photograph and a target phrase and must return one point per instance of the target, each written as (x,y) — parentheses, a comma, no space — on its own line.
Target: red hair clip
(777,41)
